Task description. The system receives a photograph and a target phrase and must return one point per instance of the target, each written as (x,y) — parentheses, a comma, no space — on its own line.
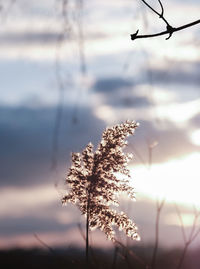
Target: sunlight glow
(105,113)
(172,219)
(179,113)
(176,180)
(21,201)
(195,137)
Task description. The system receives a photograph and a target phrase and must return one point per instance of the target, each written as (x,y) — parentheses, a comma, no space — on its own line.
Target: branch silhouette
(169,29)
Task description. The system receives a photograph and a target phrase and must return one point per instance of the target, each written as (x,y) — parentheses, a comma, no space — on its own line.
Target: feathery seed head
(93,184)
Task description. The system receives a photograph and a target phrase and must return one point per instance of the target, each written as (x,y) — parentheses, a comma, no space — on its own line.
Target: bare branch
(151,7)
(161,15)
(162,9)
(169,29)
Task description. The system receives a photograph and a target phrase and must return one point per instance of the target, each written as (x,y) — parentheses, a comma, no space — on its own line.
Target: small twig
(66,29)
(5,11)
(139,156)
(193,234)
(131,253)
(151,147)
(169,29)
(161,15)
(43,243)
(53,251)
(81,39)
(162,8)
(159,205)
(181,222)
(81,231)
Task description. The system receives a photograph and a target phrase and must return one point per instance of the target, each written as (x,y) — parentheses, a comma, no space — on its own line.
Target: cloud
(119,92)
(42,37)
(173,142)
(26,141)
(110,85)
(24,80)
(29,38)
(196,121)
(35,209)
(12,226)
(142,212)
(26,154)
(177,73)
(130,101)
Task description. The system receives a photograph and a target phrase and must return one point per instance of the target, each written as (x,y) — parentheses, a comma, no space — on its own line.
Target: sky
(68,72)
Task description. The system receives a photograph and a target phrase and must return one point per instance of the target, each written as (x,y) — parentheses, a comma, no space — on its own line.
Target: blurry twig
(79,22)
(81,231)
(138,155)
(51,249)
(159,203)
(65,30)
(151,146)
(192,236)
(169,29)
(58,117)
(159,207)
(132,254)
(6,10)
(43,243)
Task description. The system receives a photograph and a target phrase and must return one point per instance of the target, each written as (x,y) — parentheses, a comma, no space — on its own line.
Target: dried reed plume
(94,185)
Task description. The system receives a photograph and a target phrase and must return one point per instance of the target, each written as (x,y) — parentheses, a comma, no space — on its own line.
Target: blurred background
(68,70)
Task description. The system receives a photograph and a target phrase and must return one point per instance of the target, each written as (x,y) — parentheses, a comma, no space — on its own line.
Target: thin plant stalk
(160,205)
(115,257)
(192,236)
(87,231)
(87,240)
(90,249)
(183,255)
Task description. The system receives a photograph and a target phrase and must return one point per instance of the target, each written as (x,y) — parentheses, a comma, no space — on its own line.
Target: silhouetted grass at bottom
(112,259)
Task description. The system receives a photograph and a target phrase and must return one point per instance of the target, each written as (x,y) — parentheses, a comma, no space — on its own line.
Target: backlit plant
(94,184)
